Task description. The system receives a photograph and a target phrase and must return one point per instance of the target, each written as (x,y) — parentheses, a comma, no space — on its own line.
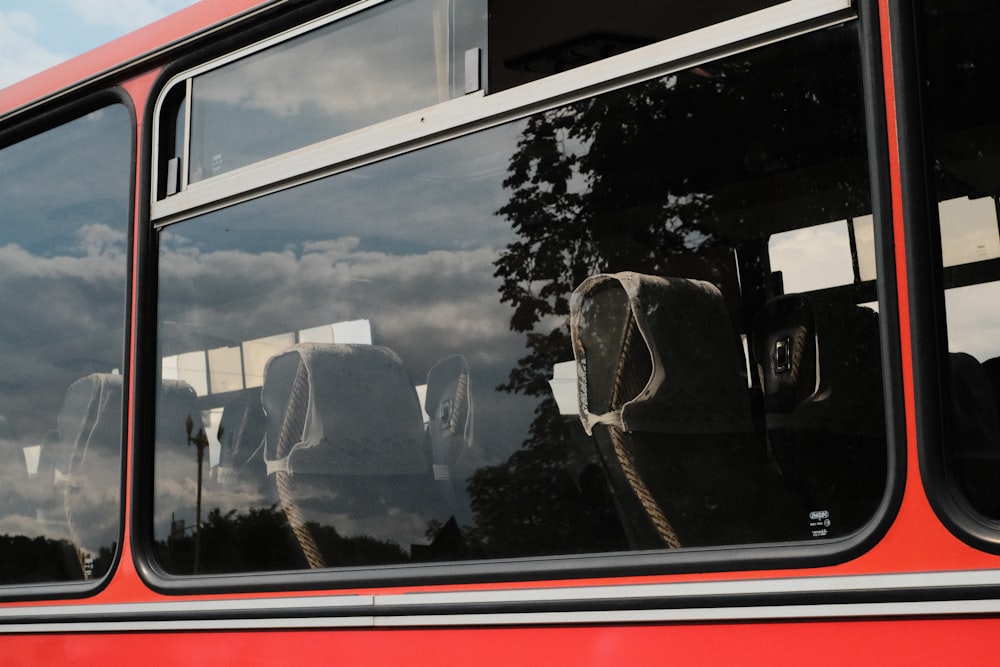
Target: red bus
(484,332)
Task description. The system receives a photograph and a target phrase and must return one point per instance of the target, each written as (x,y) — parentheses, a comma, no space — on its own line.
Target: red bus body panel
(815,643)
(917,542)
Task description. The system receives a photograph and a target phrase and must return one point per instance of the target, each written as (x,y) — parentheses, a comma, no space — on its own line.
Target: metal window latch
(173,176)
(472,66)
(782,355)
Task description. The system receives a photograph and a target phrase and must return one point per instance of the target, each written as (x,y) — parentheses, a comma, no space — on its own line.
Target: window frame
(463,114)
(24,128)
(478,111)
(926,287)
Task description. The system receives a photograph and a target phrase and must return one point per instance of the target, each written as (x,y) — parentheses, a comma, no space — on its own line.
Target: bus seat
(241,439)
(974,437)
(448,404)
(784,348)
(177,406)
(819,364)
(663,390)
(89,468)
(345,442)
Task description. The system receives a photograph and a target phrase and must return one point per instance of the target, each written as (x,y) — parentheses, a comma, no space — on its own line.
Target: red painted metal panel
(869,642)
(128,48)
(917,541)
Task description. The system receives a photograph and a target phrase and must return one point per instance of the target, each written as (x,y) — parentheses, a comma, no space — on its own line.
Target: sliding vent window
(64,197)
(338,78)
(561,335)
(530,40)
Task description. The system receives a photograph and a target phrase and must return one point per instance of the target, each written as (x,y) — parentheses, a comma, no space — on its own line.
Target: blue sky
(37,34)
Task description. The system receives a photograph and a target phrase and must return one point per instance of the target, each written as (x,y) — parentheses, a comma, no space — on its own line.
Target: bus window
(372,368)
(969,230)
(335,79)
(962,65)
(65,195)
(830,255)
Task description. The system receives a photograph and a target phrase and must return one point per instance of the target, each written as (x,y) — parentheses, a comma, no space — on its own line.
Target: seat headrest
(677,333)
(784,347)
(90,421)
(240,434)
(88,462)
(342,409)
(819,362)
(448,404)
(177,402)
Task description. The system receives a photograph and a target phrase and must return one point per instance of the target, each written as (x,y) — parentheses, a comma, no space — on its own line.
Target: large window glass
(65,208)
(565,334)
(963,64)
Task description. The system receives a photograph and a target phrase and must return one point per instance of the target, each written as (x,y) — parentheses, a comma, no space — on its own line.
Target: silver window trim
(902,595)
(476,111)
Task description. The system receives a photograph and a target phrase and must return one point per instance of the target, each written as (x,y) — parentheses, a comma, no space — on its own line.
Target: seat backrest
(341,409)
(89,467)
(345,443)
(819,363)
(241,442)
(663,391)
(784,348)
(673,340)
(448,404)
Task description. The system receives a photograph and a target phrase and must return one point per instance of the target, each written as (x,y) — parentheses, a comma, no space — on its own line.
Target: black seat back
(664,392)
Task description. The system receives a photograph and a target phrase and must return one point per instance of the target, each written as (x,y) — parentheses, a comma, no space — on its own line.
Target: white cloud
(21,54)
(44,33)
(124,15)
